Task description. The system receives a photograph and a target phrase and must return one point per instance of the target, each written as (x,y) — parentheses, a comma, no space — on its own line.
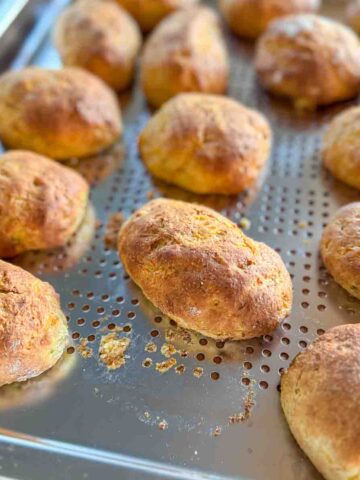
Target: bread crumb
(163,425)
(198,372)
(168,350)
(165,366)
(151,347)
(180,369)
(217,431)
(178,334)
(147,362)
(245,223)
(112,229)
(112,349)
(83,349)
(146,414)
(302,224)
(245,415)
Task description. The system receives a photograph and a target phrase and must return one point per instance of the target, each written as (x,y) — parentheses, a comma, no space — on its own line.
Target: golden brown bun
(309,58)
(33,329)
(206,144)
(340,248)
(60,113)
(42,203)
(148,13)
(250,18)
(341,147)
(353,15)
(320,396)
(102,38)
(200,269)
(186,53)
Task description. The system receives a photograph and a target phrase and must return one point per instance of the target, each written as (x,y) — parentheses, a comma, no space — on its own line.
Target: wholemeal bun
(320,396)
(59,113)
(33,329)
(340,247)
(102,38)
(198,268)
(309,58)
(341,147)
(186,53)
(250,18)
(206,143)
(148,13)
(42,203)
(352,15)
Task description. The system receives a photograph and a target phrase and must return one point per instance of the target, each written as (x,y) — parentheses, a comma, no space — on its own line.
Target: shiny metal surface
(88,422)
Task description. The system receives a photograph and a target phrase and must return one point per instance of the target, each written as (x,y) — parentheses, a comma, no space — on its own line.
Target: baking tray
(83,421)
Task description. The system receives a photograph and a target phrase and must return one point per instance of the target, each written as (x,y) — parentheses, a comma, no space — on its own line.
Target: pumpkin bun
(200,269)
(33,329)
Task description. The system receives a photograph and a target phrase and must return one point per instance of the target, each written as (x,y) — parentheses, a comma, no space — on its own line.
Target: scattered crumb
(245,415)
(178,334)
(302,224)
(150,347)
(112,349)
(180,369)
(198,372)
(168,350)
(217,431)
(112,229)
(150,195)
(83,349)
(146,414)
(147,362)
(245,223)
(163,425)
(163,367)
(183,353)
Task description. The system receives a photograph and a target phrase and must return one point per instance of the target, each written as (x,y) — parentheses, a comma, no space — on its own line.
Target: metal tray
(83,421)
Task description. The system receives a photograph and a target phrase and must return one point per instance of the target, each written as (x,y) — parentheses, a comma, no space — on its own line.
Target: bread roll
(59,113)
(33,329)
(340,248)
(206,144)
(186,53)
(320,396)
(201,270)
(102,38)
(148,13)
(341,147)
(311,59)
(250,18)
(42,203)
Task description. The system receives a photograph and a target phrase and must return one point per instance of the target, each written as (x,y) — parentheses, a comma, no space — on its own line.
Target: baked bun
(60,113)
(33,329)
(186,53)
(100,37)
(250,18)
(198,268)
(206,143)
(320,396)
(148,13)
(341,147)
(42,203)
(309,58)
(340,247)
(352,15)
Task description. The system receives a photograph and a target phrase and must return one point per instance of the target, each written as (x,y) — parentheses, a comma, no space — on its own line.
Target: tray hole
(264,385)
(200,357)
(100,310)
(105,298)
(248,365)
(90,295)
(266,353)
(249,350)
(131,315)
(111,326)
(215,375)
(80,321)
(91,338)
(96,323)
(154,333)
(86,308)
(158,319)
(285,341)
(303,329)
(284,356)
(245,381)
(320,331)
(265,368)
(286,326)
(75,335)
(70,350)
(115,313)
(120,300)
(217,360)
(321,308)
(303,344)
(127,328)
(203,341)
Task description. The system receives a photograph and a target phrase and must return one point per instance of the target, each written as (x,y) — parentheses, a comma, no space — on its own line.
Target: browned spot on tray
(165,366)
(112,229)
(112,350)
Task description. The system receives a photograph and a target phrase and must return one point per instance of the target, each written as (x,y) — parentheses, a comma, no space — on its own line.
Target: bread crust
(201,270)
(206,144)
(33,329)
(42,203)
(148,13)
(320,397)
(186,53)
(341,147)
(250,18)
(59,113)
(309,58)
(100,37)
(340,248)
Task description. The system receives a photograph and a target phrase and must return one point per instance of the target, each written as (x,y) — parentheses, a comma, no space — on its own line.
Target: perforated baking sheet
(217,415)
